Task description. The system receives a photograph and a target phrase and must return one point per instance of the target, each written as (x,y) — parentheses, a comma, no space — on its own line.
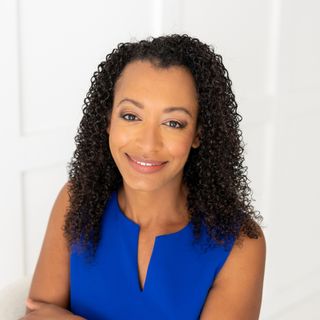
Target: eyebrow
(166,110)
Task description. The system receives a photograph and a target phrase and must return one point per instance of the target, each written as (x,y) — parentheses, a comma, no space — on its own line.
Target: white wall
(49,51)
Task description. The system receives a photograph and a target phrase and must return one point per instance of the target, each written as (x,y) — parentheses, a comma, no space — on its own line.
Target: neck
(154,209)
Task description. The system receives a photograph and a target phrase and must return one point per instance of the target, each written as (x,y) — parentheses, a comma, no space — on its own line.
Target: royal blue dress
(177,283)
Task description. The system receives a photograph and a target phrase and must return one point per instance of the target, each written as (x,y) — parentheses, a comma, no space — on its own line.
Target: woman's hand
(47,311)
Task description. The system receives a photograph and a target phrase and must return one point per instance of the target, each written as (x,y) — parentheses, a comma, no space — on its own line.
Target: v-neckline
(136,225)
(132,223)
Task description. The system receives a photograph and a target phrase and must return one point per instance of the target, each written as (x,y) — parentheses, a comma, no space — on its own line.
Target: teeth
(145,164)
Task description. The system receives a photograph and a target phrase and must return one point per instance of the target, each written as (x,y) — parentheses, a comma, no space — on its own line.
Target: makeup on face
(152,124)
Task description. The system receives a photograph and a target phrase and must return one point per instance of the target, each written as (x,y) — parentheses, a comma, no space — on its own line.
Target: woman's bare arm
(50,283)
(237,290)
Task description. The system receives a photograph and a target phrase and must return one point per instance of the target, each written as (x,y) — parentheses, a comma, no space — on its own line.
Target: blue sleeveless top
(177,282)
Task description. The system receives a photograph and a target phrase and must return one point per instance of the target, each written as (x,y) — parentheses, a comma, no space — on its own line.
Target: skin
(40,310)
(151,135)
(48,296)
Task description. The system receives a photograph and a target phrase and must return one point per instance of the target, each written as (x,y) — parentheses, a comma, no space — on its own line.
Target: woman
(155,221)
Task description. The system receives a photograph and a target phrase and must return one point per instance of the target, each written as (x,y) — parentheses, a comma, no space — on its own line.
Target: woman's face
(144,126)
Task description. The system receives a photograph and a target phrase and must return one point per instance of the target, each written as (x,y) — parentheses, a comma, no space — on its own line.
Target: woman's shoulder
(50,281)
(246,256)
(240,281)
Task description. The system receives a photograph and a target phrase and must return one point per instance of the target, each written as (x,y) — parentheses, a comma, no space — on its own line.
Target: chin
(142,185)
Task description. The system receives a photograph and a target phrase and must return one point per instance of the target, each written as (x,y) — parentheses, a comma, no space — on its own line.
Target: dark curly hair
(214,173)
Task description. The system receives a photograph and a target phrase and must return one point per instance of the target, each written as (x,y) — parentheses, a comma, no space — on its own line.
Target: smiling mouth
(146,163)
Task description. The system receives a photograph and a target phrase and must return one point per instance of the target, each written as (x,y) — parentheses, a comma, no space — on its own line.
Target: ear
(196,140)
(108,121)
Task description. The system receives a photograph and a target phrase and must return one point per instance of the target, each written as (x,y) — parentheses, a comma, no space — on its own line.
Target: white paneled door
(48,54)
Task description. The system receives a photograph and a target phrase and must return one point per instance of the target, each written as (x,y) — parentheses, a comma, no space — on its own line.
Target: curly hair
(214,173)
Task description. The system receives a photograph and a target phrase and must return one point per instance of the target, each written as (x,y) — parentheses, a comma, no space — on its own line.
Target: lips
(152,162)
(150,168)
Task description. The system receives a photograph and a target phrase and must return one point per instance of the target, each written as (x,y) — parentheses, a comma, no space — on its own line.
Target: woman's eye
(130,116)
(176,124)
(172,124)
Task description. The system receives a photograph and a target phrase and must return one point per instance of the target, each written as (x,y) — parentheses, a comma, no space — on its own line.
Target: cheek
(180,148)
(117,138)
(116,133)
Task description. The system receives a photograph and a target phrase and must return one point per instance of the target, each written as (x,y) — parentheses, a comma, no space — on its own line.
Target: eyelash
(182,125)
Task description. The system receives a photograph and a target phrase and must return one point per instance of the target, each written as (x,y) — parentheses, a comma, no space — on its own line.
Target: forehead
(142,78)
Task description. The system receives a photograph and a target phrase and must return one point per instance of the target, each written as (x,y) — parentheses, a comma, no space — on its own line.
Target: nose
(149,138)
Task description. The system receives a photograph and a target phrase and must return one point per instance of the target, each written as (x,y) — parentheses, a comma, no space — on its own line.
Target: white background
(49,51)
